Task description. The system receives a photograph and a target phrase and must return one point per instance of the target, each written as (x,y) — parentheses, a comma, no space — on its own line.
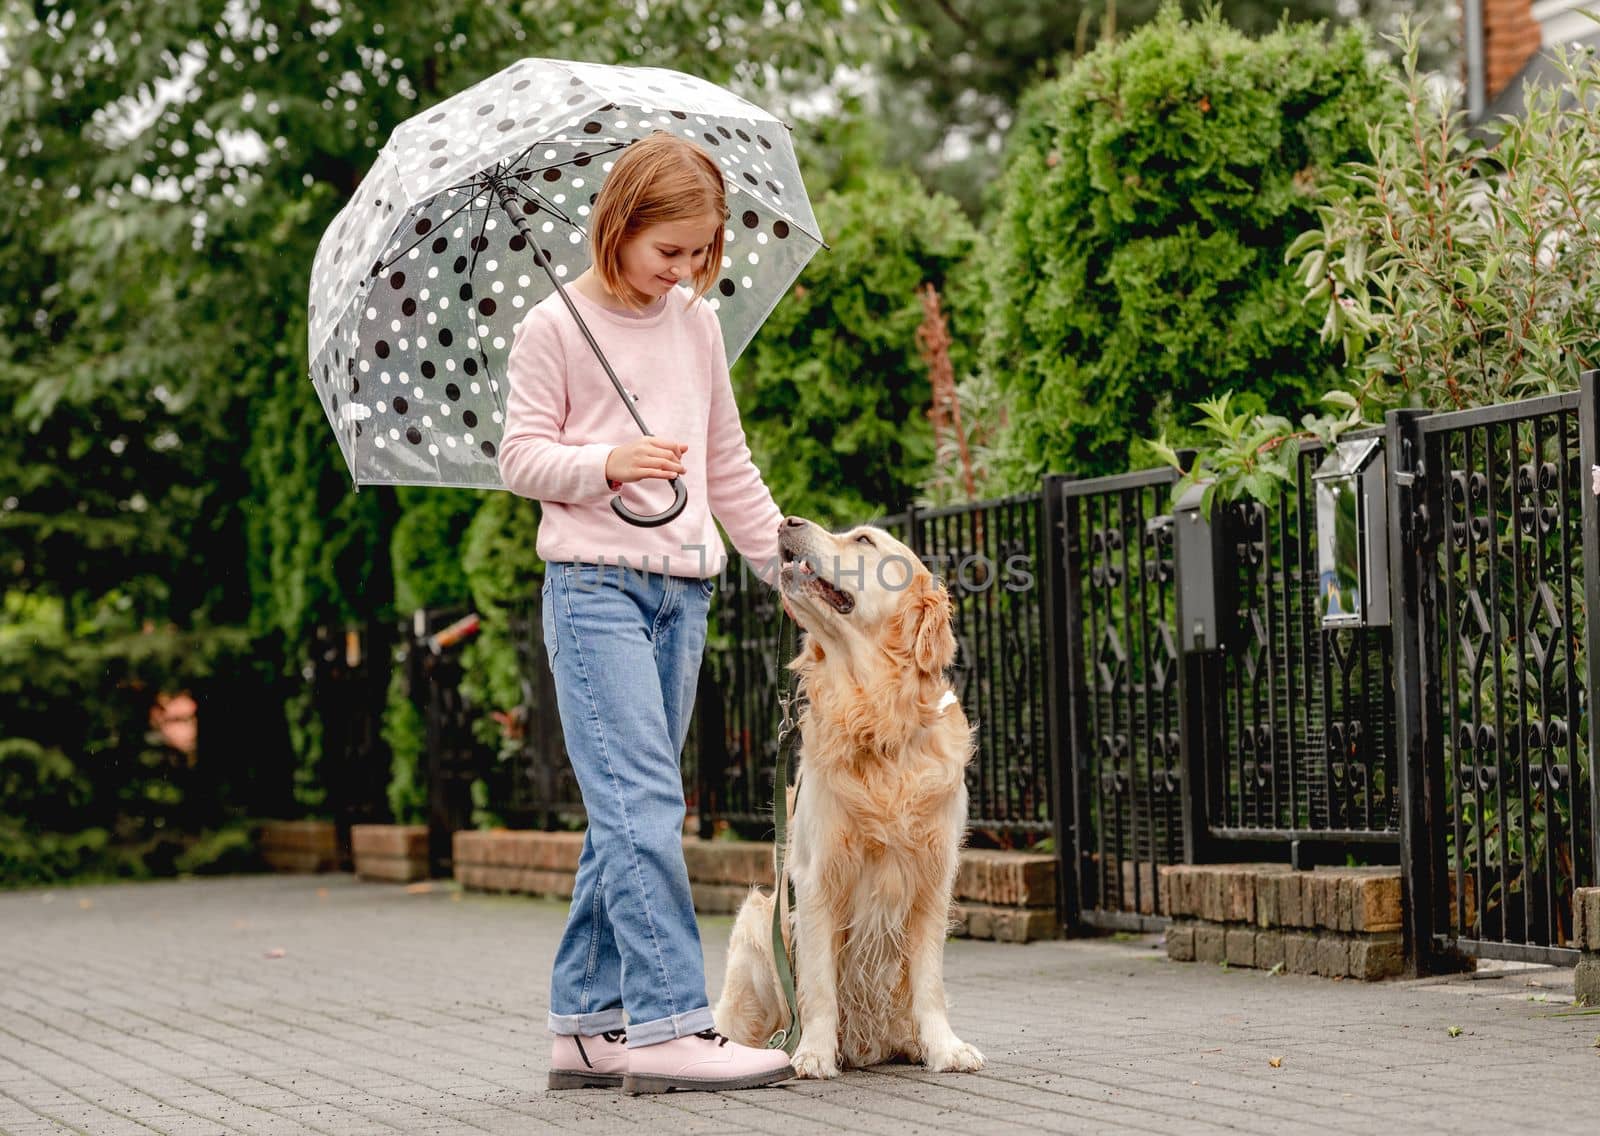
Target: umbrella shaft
(509,203)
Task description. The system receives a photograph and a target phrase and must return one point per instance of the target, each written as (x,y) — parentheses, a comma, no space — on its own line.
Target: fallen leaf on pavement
(85,904)
(1455,1031)
(1275,1062)
(322,893)
(276,953)
(419,889)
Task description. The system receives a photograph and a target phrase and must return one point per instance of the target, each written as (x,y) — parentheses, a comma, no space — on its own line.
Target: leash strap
(786,1039)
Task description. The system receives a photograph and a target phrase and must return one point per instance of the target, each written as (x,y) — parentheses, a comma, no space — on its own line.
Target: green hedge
(1138,254)
(833,393)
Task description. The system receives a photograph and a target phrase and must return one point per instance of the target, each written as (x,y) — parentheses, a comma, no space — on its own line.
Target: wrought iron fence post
(1416,512)
(1061,632)
(1200,699)
(1589,463)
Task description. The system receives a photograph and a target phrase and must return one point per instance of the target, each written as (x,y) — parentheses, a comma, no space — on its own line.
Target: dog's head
(863,590)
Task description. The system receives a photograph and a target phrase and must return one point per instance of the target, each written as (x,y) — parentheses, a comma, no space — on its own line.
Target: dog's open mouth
(801,575)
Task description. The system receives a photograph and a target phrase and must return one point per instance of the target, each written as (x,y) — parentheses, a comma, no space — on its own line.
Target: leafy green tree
(1139,252)
(1454,268)
(954,98)
(169,169)
(833,391)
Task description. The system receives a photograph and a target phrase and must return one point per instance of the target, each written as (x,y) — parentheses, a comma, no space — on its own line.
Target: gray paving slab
(319,1004)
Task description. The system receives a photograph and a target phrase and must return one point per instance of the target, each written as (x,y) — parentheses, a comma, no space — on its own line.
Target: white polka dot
(433,450)
(377,440)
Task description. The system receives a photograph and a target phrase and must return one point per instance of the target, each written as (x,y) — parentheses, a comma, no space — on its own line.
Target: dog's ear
(926,627)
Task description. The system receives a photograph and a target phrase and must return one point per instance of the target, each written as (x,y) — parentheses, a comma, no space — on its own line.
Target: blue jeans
(625,648)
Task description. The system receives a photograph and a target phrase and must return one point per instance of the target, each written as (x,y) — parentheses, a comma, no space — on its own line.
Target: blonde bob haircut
(658,180)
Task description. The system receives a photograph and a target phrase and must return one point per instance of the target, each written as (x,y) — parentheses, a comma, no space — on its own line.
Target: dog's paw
(959,1058)
(815,1064)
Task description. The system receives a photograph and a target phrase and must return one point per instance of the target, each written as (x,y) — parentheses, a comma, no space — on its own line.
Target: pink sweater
(563,418)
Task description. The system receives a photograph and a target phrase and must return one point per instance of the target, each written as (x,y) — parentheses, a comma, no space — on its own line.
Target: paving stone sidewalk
(319,1004)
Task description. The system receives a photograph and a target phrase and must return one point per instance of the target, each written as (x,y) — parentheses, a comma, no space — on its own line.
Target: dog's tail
(752,1007)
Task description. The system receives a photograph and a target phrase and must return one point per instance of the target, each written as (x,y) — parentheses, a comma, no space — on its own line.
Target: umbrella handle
(680,497)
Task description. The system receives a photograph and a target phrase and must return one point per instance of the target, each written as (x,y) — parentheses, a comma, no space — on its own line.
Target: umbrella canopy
(420,281)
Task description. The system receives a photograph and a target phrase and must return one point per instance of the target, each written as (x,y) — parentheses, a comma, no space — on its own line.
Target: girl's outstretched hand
(648,457)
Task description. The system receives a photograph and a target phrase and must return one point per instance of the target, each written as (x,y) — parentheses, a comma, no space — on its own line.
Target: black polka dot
(762,138)
(712,138)
(580,159)
(428,370)
(505,124)
(398,280)
(751,178)
(750,219)
(743,137)
(487,448)
(409,307)
(591,127)
(479,243)
(723,130)
(413,435)
(522,84)
(780,229)
(439,245)
(726,287)
(400,406)
(452,392)
(552,175)
(678,114)
(486,306)
(774,187)
(438,163)
(460,264)
(517,243)
(446,337)
(486,108)
(381,349)
(437,117)
(438,143)
(470,366)
(470,419)
(466,291)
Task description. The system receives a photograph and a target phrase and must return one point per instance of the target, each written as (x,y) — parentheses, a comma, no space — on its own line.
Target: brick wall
(1511,37)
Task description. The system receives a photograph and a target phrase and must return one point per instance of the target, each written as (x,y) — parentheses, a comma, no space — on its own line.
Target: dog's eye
(865,539)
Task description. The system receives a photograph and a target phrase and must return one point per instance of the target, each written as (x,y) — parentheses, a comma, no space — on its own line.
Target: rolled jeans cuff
(665,1029)
(586,1025)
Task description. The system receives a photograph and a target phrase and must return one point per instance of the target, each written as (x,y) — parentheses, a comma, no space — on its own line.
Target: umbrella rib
(472,266)
(442,220)
(539,201)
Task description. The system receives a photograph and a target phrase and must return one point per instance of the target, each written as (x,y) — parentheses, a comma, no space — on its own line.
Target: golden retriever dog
(876,821)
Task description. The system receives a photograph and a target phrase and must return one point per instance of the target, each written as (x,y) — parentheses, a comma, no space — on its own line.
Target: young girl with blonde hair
(625,607)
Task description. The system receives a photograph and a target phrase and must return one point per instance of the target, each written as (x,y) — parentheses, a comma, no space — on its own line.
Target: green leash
(786,1039)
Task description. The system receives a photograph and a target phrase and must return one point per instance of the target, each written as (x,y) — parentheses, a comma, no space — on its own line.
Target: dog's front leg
(942,1050)
(816,987)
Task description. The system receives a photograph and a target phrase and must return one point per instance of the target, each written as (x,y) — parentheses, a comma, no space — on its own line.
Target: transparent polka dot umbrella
(476,210)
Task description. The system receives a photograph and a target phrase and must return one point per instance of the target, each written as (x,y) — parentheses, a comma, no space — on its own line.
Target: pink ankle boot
(596,1062)
(705,1060)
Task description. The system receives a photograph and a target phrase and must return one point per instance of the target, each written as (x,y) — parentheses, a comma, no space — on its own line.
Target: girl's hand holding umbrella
(648,457)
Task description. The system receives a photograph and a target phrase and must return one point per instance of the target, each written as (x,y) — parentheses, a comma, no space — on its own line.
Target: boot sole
(571,1079)
(635,1084)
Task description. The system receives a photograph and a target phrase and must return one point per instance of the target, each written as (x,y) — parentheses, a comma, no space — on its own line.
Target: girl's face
(661,256)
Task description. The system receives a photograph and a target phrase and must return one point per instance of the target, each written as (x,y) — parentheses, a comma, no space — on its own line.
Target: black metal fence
(988,556)
(1456,736)
(1306,713)
(1500,572)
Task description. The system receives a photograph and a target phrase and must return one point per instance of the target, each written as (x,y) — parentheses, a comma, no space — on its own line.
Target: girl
(625,607)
